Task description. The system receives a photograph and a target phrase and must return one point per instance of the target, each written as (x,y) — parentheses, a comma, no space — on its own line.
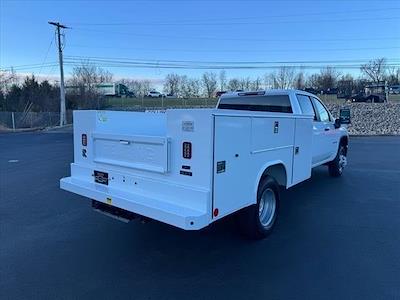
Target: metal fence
(17,120)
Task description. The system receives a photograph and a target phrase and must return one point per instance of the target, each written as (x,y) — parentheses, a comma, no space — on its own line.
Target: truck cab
(326,134)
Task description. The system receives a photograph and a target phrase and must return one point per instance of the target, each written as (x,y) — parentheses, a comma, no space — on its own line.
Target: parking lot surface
(334,238)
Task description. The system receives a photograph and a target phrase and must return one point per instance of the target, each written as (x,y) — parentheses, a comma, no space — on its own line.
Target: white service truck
(191,167)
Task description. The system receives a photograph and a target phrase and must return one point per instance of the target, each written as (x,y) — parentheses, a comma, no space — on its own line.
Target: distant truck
(105,89)
(191,167)
(114,90)
(372,93)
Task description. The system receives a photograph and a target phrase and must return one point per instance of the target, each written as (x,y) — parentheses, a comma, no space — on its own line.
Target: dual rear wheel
(257,221)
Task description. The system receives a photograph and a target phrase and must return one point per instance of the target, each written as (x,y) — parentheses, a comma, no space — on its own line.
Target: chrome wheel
(267,207)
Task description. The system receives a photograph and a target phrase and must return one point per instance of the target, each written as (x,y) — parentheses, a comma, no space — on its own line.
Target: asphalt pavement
(335,238)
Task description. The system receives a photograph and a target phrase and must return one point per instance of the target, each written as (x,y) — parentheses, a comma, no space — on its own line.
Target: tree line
(43,96)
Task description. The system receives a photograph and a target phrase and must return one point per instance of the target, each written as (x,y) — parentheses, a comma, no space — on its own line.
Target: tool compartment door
(148,153)
(231,164)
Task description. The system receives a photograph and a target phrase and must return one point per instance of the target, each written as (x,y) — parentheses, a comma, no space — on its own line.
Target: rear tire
(257,220)
(337,165)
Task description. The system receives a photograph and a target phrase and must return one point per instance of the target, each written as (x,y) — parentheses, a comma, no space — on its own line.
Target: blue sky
(223,31)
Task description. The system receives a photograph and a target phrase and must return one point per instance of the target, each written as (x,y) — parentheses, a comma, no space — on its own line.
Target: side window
(306,105)
(321,110)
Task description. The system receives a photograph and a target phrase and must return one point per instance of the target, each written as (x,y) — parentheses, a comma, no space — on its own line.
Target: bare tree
(195,87)
(172,83)
(184,87)
(234,84)
(222,80)
(209,81)
(393,76)
(327,79)
(87,76)
(283,77)
(139,87)
(345,86)
(300,81)
(256,84)
(313,81)
(7,78)
(375,70)
(268,81)
(82,91)
(245,84)
(189,87)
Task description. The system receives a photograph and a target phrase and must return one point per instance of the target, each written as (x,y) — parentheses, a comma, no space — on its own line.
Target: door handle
(327,129)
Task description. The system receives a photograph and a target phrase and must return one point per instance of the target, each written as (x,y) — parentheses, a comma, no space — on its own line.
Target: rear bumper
(156,208)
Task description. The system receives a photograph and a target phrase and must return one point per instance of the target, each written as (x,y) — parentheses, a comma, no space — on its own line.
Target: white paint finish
(141,203)
(142,154)
(237,186)
(301,169)
(137,152)
(264,137)
(232,145)
(325,142)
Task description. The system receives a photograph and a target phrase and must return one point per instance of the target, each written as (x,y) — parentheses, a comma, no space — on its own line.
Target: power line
(163,64)
(218,20)
(222,62)
(225,67)
(29,67)
(78,57)
(242,39)
(262,51)
(269,40)
(272,22)
(47,53)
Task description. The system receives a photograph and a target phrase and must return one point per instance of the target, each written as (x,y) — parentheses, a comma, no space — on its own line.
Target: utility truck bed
(190,167)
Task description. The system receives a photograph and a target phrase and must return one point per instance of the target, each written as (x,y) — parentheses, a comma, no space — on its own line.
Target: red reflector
(216,211)
(84,140)
(187,150)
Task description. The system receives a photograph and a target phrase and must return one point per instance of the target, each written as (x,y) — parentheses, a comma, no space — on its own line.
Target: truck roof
(265,93)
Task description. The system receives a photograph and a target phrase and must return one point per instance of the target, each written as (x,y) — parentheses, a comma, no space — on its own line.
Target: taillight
(84,140)
(187,150)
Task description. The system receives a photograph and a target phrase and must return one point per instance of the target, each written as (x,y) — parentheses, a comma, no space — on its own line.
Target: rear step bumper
(154,208)
(113,211)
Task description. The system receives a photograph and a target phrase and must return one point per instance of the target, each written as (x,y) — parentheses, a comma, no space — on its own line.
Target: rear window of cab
(270,103)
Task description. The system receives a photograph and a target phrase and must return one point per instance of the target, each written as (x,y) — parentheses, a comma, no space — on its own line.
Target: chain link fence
(18,120)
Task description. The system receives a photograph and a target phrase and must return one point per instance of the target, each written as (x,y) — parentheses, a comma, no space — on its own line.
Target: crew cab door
(323,128)
(324,133)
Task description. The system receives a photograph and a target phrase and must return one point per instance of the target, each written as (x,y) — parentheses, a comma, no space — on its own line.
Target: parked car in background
(361,97)
(394,89)
(154,94)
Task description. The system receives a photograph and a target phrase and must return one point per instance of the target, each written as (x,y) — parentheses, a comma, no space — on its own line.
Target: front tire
(337,165)
(258,220)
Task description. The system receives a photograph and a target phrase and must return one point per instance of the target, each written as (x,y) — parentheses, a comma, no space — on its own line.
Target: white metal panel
(199,133)
(138,152)
(271,132)
(302,150)
(248,145)
(152,206)
(232,187)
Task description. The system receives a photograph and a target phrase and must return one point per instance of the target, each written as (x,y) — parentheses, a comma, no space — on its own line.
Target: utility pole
(63,118)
